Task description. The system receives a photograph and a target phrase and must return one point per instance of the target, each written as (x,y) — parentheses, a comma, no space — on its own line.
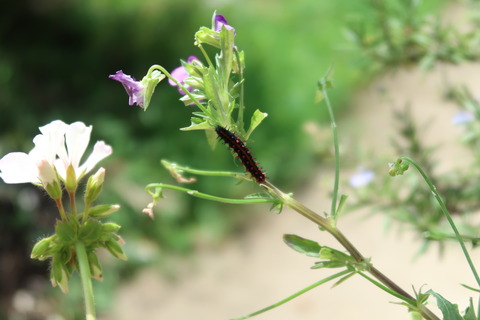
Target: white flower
(68,142)
(77,137)
(37,165)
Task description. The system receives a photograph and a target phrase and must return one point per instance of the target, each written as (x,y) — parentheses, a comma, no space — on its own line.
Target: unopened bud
(94,185)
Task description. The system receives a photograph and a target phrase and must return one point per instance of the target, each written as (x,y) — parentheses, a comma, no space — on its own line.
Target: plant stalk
(86,278)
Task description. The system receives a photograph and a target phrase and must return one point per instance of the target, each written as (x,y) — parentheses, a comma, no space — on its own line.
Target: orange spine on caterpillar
(242,152)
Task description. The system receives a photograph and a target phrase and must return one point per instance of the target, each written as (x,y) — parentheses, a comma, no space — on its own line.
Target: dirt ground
(253,272)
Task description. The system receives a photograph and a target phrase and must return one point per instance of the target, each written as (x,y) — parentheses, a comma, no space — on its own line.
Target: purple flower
(361,178)
(135,89)
(219,21)
(180,74)
(463,117)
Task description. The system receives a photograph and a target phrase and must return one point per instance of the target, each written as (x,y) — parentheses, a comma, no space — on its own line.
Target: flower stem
(333,210)
(86,278)
(328,225)
(59,203)
(293,296)
(73,207)
(447,215)
(201,195)
(166,73)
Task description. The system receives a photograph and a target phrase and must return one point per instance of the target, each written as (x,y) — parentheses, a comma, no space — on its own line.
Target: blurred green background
(55,58)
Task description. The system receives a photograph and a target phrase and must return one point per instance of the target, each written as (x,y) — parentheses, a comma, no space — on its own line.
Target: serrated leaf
(302,245)
(449,310)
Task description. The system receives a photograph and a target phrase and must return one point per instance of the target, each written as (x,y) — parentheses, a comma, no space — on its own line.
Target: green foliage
(449,310)
(401,34)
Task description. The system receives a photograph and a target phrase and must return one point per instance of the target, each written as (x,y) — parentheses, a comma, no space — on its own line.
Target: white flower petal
(48,143)
(61,169)
(18,167)
(100,151)
(77,139)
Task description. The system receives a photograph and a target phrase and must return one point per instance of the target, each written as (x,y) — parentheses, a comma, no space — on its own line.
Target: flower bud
(115,250)
(149,83)
(71,179)
(40,250)
(103,210)
(48,177)
(94,186)
(59,275)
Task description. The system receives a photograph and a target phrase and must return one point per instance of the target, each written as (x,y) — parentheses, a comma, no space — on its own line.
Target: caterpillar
(242,152)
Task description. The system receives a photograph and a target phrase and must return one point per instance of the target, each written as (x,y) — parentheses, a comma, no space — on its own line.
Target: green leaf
(341,203)
(470,288)
(302,245)
(256,119)
(90,231)
(67,232)
(197,126)
(470,312)
(449,310)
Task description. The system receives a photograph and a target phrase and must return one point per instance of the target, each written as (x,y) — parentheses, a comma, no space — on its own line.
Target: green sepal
(95,267)
(90,232)
(67,232)
(149,82)
(114,248)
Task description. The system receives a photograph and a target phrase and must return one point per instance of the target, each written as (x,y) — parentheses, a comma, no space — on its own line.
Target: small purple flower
(180,74)
(463,117)
(219,22)
(135,89)
(362,178)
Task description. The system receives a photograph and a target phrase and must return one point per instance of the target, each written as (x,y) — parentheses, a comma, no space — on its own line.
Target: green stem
(205,55)
(293,296)
(327,225)
(333,210)
(188,93)
(447,215)
(205,196)
(61,209)
(241,106)
(386,289)
(73,206)
(86,278)
(180,169)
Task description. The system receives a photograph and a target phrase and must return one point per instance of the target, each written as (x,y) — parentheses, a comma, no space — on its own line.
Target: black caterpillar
(242,152)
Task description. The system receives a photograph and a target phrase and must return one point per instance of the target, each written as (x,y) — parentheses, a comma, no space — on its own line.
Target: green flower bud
(41,249)
(94,186)
(115,249)
(71,179)
(59,275)
(103,210)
